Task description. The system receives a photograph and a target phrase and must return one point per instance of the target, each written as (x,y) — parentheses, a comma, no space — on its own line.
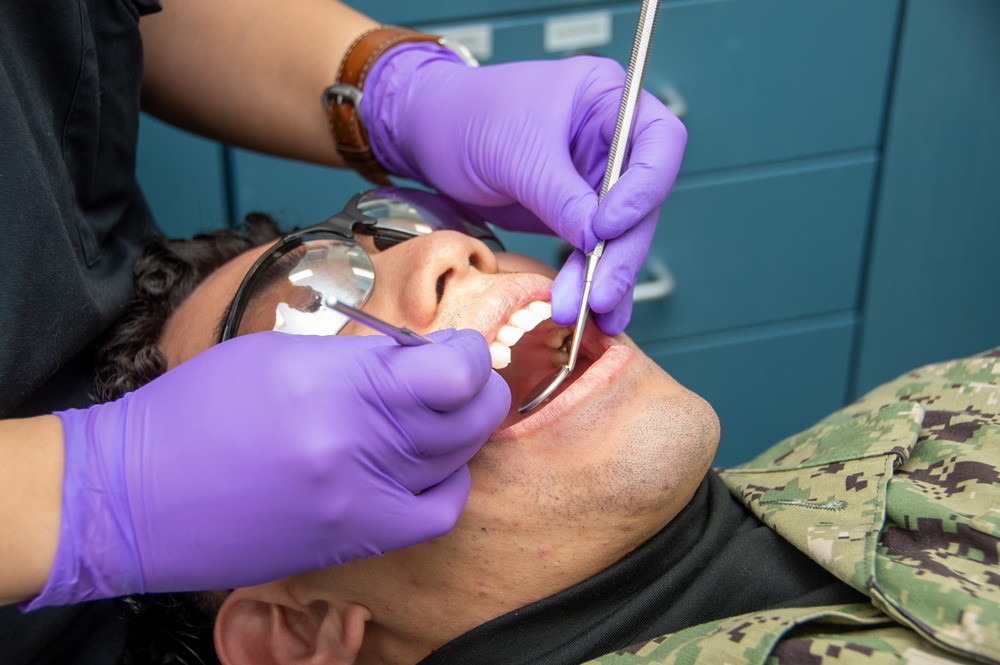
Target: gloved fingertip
(613,283)
(614,322)
(565,303)
(446,375)
(633,201)
(467,341)
(606,294)
(567,290)
(442,336)
(500,394)
(441,505)
(472,343)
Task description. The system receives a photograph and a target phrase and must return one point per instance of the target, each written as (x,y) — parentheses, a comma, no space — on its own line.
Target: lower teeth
(556,338)
(559,356)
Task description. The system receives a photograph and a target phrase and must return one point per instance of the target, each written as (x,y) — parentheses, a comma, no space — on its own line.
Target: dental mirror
(616,160)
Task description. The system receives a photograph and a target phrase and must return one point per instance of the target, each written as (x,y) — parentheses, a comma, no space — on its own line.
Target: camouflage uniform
(898,495)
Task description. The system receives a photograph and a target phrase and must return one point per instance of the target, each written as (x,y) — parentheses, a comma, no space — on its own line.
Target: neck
(425,596)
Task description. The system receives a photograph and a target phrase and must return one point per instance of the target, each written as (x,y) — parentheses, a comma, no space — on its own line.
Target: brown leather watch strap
(343,98)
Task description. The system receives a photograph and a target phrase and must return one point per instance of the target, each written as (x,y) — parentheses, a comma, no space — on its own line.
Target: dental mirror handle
(581,317)
(403,336)
(634,75)
(619,145)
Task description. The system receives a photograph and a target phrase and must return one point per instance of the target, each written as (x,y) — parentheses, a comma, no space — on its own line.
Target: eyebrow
(221,322)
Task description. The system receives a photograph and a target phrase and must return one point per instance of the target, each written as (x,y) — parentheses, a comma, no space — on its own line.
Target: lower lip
(598,377)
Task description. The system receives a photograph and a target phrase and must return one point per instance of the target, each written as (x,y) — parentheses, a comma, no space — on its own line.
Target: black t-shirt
(72,222)
(714,560)
(73,218)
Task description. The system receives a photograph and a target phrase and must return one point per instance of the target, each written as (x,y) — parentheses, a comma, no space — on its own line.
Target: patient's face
(563,492)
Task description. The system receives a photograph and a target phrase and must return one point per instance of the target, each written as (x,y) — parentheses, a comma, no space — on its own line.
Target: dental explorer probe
(616,160)
(403,336)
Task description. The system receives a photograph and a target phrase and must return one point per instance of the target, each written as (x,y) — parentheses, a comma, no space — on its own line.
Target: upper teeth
(520,322)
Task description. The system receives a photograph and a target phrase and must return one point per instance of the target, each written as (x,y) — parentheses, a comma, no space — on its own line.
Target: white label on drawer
(477,37)
(578,31)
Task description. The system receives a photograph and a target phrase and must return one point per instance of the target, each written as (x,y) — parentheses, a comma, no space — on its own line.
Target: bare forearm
(249,72)
(31,468)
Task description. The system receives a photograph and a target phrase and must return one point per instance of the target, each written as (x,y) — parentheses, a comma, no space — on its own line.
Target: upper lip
(508,294)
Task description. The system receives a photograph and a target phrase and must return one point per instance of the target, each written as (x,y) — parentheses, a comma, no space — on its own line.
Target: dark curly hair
(165,275)
(167,629)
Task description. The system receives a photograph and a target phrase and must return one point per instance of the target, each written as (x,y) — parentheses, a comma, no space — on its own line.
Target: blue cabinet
(773,80)
(766,382)
(184,179)
(744,248)
(933,288)
(838,209)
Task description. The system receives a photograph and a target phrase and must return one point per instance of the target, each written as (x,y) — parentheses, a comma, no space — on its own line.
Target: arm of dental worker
(249,72)
(262,457)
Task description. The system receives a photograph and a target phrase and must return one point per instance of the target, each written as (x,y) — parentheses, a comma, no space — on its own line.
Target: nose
(424,269)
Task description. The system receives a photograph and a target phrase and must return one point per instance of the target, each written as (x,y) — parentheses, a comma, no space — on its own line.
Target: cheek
(389,294)
(509,262)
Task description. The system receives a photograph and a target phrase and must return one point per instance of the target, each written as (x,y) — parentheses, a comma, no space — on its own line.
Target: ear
(267,624)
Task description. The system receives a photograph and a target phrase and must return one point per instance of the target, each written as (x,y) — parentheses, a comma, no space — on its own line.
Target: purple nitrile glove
(530,141)
(270,455)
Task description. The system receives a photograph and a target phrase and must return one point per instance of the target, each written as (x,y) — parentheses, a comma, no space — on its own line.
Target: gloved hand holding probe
(530,140)
(269,455)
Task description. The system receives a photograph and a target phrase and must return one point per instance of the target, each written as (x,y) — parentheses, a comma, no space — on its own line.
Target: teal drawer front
(296,193)
(183,179)
(764,81)
(765,384)
(763,246)
(770,80)
(761,80)
(407,12)
(523,38)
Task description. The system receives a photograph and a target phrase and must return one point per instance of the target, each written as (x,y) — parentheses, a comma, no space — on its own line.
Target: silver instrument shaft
(619,146)
(403,336)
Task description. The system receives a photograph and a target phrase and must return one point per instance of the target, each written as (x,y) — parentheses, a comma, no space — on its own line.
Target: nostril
(439,285)
(474,261)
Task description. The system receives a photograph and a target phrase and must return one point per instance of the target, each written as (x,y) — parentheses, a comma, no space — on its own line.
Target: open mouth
(528,350)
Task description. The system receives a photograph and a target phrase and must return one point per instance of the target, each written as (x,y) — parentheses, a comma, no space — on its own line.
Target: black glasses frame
(343,226)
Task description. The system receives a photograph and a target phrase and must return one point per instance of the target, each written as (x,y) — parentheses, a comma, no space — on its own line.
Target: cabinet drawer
(769,80)
(407,12)
(294,192)
(765,384)
(763,246)
(761,80)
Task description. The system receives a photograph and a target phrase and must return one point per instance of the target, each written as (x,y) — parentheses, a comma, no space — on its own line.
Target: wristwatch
(342,100)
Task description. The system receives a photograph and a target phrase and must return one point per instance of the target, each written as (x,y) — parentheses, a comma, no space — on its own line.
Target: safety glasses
(292,286)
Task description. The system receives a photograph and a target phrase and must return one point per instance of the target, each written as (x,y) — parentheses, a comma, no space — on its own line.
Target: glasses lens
(402,213)
(292,293)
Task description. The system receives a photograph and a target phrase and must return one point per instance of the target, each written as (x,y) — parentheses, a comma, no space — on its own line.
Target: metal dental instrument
(616,160)
(404,336)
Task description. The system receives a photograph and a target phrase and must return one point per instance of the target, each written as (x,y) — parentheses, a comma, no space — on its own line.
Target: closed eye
(383,239)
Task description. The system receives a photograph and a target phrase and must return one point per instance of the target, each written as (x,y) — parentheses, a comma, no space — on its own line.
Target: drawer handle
(673,100)
(659,287)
